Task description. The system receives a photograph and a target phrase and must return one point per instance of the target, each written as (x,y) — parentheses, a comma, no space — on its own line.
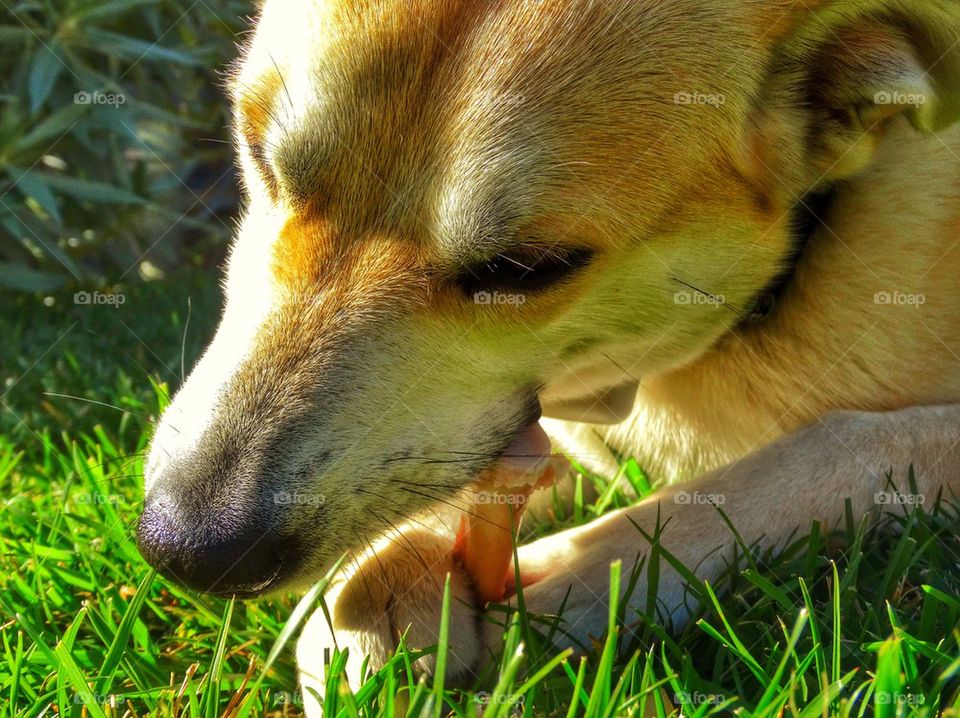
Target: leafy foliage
(113,153)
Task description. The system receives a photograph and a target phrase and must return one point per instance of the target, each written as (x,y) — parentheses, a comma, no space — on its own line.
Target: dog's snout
(223,555)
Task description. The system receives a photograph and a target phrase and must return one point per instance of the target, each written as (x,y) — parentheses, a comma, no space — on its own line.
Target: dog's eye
(526,269)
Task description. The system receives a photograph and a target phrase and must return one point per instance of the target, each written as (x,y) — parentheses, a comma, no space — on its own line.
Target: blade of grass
(122,637)
(211,706)
(443,647)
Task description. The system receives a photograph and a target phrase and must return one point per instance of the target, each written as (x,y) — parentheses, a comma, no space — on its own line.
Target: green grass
(854,623)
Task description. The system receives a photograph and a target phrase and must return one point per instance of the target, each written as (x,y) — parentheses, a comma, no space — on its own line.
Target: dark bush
(114,160)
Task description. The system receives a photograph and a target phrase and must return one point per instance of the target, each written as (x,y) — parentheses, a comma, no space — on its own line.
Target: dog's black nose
(224,556)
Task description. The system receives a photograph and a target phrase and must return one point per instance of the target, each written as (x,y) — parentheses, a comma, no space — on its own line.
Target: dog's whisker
(116,477)
(620,367)
(406,540)
(87,401)
(429,460)
(359,571)
(265,143)
(252,95)
(183,341)
(476,454)
(129,459)
(451,505)
(452,488)
(490,454)
(450,493)
(113,345)
(433,497)
(384,578)
(402,517)
(283,83)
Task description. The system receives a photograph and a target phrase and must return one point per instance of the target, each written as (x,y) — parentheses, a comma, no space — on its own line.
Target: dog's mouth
(230,556)
(484,544)
(529,450)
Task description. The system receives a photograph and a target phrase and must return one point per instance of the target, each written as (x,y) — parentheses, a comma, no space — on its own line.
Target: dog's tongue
(484,543)
(528,454)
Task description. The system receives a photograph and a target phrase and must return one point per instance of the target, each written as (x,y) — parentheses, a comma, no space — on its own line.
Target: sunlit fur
(387,145)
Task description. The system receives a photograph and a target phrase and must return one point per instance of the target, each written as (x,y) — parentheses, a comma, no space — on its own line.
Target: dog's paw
(396,590)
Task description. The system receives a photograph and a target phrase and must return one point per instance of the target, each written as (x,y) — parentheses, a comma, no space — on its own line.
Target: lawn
(129,200)
(855,623)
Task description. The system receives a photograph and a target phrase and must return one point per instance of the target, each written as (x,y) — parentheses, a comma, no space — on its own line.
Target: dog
(721,237)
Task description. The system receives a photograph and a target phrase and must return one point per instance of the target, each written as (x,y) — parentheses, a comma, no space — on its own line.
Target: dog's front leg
(395,590)
(768,496)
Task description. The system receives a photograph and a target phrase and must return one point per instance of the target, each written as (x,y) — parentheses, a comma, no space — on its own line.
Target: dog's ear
(850,67)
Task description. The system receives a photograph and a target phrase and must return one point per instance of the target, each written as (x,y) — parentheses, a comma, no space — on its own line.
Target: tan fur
(387,146)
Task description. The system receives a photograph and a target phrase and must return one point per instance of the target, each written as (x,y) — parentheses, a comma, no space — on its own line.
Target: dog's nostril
(223,556)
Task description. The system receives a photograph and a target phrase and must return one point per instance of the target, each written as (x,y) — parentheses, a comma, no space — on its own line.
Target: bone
(484,542)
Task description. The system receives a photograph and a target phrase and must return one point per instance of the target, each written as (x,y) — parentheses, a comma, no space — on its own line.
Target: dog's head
(461,213)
